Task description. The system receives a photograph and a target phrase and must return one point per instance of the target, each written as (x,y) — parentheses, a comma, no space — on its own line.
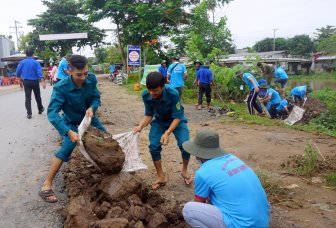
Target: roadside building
(292,64)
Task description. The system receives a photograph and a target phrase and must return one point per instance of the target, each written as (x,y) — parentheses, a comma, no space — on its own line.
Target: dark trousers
(272,111)
(30,86)
(203,87)
(252,102)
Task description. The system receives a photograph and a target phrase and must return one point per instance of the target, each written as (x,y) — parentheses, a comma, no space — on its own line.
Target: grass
(331,179)
(322,76)
(307,165)
(273,188)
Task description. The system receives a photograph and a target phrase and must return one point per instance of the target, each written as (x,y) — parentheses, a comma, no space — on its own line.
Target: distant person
(198,66)
(281,78)
(63,69)
(177,74)
(299,94)
(227,191)
(30,72)
(75,96)
(165,114)
(50,67)
(204,81)
(163,69)
(54,73)
(270,98)
(250,80)
(267,71)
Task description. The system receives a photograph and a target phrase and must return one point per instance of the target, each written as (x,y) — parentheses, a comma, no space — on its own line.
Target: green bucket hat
(309,89)
(205,145)
(197,61)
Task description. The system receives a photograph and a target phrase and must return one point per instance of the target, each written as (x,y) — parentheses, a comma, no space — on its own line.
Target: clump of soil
(313,108)
(104,150)
(98,200)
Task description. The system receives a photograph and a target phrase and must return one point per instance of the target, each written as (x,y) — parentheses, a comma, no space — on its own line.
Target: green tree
(327,44)
(325,32)
(63,16)
(100,54)
(204,36)
(267,44)
(139,22)
(300,45)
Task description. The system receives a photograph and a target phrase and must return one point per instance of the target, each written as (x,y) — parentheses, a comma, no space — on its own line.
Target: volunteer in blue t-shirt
(299,93)
(204,81)
(227,191)
(63,69)
(177,74)
(281,77)
(282,111)
(250,80)
(271,99)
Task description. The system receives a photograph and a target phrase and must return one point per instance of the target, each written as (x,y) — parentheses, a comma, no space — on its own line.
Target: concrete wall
(5,48)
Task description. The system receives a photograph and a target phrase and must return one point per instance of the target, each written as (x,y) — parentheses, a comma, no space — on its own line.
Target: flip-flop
(157,185)
(188,180)
(47,193)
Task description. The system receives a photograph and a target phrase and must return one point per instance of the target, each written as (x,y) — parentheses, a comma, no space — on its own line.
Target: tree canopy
(63,16)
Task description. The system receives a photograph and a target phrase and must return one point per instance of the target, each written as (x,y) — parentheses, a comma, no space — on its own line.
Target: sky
(248,20)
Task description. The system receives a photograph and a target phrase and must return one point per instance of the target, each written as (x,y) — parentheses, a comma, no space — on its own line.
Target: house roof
(326,57)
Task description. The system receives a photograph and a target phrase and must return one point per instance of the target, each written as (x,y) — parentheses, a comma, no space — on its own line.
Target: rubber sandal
(47,193)
(188,180)
(157,185)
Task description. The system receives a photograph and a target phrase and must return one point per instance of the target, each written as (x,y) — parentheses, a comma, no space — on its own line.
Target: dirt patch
(111,198)
(313,108)
(104,150)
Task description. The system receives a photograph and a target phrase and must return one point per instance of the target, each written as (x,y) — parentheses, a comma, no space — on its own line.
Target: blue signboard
(133,55)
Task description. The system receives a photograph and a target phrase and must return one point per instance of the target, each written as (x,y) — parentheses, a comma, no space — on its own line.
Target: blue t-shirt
(176,76)
(63,65)
(283,104)
(280,73)
(235,189)
(246,76)
(29,69)
(167,108)
(163,71)
(275,98)
(299,91)
(204,75)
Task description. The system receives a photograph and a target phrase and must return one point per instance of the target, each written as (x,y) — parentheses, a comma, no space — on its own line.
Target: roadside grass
(331,179)
(273,187)
(307,164)
(323,76)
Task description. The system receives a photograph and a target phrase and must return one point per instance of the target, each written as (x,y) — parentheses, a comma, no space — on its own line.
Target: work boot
(29,116)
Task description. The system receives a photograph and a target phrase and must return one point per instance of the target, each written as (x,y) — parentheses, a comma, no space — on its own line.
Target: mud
(118,200)
(104,150)
(313,108)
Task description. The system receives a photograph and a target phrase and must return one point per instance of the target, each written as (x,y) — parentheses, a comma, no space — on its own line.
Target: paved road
(26,150)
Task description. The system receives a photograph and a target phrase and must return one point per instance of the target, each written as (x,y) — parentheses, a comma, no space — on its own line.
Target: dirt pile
(313,108)
(104,150)
(99,200)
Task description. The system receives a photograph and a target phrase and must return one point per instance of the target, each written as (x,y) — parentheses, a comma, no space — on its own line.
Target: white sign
(64,36)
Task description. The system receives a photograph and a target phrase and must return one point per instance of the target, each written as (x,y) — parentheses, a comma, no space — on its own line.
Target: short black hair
(259,64)
(29,52)
(78,61)
(154,80)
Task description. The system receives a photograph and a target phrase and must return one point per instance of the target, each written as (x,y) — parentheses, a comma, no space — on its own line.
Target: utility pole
(274,30)
(16,27)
